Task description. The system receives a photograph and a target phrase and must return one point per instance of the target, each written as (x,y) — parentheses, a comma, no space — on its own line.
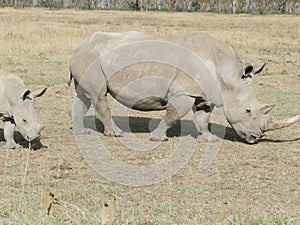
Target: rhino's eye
(248,110)
(24,120)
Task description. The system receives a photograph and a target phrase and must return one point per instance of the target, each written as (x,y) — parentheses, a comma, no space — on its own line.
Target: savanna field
(245,184)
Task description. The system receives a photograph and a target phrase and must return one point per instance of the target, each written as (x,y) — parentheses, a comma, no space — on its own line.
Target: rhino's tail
(70,78)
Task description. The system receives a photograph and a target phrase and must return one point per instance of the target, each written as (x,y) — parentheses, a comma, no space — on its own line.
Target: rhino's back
(11,89)
(11,81)
(222,60)
(97,45)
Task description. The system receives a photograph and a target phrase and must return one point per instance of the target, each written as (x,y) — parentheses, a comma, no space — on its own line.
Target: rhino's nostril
(243,135)
(254,136)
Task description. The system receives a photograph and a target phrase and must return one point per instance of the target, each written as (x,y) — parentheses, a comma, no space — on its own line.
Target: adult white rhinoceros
(17,109)
(148,73)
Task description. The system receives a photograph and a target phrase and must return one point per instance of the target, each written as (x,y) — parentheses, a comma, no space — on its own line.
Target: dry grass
(259,183)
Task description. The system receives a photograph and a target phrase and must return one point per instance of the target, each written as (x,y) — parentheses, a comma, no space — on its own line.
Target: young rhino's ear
(259,69)
(26,95)
(249,71)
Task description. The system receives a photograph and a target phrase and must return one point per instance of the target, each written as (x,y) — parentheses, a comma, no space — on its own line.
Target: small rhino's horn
(274,124)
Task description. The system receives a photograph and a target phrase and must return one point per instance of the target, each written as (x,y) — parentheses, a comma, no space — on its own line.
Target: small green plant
(5,210)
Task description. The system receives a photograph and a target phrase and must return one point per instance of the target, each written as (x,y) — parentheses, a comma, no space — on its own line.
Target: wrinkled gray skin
(17,109)
(218,78)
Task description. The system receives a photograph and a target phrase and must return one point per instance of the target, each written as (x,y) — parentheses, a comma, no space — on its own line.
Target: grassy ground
(246,184)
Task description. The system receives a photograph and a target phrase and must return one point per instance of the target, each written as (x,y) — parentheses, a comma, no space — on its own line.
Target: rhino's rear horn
(273,124)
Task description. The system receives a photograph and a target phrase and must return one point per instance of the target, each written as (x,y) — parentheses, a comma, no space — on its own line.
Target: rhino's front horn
(273,124)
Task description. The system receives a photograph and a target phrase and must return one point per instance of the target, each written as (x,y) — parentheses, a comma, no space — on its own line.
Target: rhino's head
(25,116)
(246,115)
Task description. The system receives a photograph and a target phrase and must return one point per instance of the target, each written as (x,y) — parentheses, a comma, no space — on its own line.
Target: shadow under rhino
(184,127)
(35,145)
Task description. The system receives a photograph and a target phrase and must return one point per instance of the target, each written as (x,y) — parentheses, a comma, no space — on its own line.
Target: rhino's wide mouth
(34,138)
(251,138)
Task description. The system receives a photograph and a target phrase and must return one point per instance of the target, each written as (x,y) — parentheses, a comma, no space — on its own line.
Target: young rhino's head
(25,116)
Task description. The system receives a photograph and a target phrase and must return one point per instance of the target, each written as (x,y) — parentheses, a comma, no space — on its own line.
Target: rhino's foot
(208,137)
(83,131)
(159,134)
(112,133)
(158,138)
(11,145)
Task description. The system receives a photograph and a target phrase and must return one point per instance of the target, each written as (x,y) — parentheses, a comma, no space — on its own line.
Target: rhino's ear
(259,69)
(266,108)
(38,93)
(26,95)
(247,72)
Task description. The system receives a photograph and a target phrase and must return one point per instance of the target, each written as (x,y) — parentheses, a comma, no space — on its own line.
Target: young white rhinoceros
(17,109)
(179,74)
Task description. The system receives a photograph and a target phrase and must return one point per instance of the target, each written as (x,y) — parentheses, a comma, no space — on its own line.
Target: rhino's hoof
(119,134)
(83,131)
(209,137)
(159,139)
(11,145)
(86,131)
(113,133)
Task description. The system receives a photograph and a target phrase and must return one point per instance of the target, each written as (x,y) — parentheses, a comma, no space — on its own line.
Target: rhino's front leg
(201,120)
(9,129)
(178,107)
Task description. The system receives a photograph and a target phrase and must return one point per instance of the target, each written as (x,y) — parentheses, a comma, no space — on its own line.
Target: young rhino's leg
(81,105)
(178,107)
(201,119)
(9,129)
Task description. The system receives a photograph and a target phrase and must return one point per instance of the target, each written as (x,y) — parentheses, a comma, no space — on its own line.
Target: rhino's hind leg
(178,107)
(201,119)
(104,115)
(9,129)
(81,105)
